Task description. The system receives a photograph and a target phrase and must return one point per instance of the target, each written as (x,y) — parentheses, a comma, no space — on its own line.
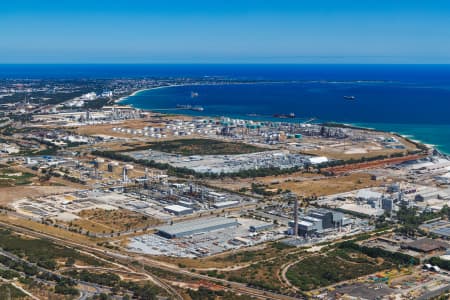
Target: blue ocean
(413,100)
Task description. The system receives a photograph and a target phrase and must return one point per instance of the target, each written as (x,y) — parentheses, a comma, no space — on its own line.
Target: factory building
(368,196)
(387,204)
(225,204)
(196,226)
(318,221)
(330,219)
(178,210)
(261,227)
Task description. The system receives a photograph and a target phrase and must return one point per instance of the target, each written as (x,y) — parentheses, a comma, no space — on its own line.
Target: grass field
(187,147)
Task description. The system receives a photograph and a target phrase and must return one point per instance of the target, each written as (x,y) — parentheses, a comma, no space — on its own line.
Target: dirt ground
(329,185)
(304,183)
(9,194)
(343,149)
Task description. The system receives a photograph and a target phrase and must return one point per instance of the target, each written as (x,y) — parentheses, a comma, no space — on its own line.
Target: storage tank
(112,166)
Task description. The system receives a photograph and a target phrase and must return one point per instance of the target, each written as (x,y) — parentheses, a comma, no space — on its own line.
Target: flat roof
(305,223)
(197,225)
(225,203)
(427,245)
(310,219)
(368,194)
(443,231)
(362,209)
(177,208)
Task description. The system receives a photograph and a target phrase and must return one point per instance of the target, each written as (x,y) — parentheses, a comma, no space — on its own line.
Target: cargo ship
(190,107)
(285,116)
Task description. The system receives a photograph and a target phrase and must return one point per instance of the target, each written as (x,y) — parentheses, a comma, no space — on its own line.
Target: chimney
(296,217)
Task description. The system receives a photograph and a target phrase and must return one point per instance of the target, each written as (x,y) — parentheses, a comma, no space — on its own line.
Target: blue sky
(263,31)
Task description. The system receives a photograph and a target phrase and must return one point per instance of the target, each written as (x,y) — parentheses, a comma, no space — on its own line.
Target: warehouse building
(196,226)
(225,204)
(179,210)
(261,227)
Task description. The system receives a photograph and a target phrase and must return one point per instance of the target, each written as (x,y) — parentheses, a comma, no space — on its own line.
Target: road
(126,259)
(84,287)
(90,249)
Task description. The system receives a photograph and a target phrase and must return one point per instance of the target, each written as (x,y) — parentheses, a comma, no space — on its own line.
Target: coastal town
(99,197)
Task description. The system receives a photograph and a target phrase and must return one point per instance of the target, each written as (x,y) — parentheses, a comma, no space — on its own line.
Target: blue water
(410,99)
(410,73)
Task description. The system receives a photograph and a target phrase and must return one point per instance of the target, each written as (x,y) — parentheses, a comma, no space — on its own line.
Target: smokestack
(296,217)
(125,175)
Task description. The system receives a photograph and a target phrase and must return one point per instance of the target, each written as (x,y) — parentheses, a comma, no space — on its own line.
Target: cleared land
(10,194)
(328,185)
(306,184)
(344,150)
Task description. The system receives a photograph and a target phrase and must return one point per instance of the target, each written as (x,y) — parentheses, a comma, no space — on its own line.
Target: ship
(190,107)
(285,116)
(349,97)
(194,94)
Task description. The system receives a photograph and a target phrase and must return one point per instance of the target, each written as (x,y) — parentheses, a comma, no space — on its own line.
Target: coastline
(407,136)
(135,93)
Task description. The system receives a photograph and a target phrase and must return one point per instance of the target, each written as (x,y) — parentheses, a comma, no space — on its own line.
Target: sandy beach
(143,90)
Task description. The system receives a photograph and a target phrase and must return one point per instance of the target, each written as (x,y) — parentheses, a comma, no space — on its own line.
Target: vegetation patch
(42,252)
(318,271)
(8,290)
(10,177)
(105,221)
(140,290)
(347,261)
(187,147)
(207,294)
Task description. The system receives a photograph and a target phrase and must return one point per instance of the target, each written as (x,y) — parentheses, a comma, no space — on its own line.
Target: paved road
(126,259)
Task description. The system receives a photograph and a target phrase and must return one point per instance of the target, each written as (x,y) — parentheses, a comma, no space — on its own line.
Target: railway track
(127,259)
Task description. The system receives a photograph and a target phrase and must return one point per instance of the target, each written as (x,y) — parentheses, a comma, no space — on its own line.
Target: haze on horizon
(246,31)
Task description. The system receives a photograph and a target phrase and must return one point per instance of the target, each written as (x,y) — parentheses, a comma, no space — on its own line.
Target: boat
(285,116)
(349,97)
(194,94)
(190,107)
